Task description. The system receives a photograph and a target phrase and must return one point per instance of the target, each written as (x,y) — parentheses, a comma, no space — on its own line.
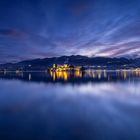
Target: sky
(46,28)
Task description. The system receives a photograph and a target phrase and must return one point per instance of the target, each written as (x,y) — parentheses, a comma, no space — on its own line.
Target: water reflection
(65,75)
(54,106)
(74,77)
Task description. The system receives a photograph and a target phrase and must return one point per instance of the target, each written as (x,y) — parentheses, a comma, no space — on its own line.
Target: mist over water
(38,107)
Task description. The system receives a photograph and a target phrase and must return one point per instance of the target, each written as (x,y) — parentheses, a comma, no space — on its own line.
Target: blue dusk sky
(45,28)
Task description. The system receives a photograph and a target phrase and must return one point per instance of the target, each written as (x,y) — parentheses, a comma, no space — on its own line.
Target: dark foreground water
(70,106)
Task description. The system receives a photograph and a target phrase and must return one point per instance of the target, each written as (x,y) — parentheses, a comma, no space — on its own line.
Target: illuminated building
(65,67)
(54,66)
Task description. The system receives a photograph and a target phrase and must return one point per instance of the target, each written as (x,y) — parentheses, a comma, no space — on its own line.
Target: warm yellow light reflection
(78,74)
(65,75)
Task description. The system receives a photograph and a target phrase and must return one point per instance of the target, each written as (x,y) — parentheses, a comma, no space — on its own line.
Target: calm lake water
(94,105)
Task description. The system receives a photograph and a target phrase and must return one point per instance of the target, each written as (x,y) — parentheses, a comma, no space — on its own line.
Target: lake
(91,105)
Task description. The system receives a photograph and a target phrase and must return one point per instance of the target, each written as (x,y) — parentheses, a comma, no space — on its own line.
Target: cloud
(44,28)
(12,33)
(79,7)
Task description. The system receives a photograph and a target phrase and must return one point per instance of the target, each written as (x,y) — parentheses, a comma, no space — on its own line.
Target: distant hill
(45,63)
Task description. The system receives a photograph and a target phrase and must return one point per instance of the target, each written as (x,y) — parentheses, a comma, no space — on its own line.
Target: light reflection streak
(95,74)
(88,75)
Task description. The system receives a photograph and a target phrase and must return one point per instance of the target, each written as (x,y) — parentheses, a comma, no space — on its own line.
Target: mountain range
(78,60)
